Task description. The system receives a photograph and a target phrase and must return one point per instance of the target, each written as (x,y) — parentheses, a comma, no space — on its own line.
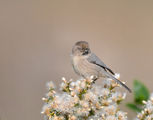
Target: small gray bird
(87,64)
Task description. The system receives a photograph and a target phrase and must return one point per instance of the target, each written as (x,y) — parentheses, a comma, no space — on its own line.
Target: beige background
(36,37)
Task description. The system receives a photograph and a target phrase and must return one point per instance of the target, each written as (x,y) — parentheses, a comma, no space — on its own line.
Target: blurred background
(36,38)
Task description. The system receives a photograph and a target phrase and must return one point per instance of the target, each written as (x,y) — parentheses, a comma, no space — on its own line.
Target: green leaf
(133,107)
(91,112)
(140,92)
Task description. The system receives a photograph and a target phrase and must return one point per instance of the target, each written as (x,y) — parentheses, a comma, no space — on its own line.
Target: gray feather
(118,81)
(95,60)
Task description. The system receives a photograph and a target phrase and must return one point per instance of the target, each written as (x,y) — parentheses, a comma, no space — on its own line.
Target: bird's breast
(76,62)
(84,68)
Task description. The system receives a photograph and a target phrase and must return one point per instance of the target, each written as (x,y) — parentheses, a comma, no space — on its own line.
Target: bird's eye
(86,51)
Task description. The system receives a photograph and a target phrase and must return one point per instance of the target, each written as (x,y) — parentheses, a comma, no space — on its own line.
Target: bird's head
(81,48)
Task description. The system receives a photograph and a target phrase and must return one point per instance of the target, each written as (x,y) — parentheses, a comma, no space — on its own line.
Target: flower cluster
(84,100)
(147,112)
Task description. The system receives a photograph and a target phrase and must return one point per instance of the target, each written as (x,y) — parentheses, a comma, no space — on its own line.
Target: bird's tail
(118,81)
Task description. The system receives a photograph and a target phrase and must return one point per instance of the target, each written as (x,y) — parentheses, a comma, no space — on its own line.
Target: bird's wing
(95,60)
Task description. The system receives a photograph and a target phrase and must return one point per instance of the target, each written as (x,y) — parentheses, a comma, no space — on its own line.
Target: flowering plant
(84,100)
(147,112)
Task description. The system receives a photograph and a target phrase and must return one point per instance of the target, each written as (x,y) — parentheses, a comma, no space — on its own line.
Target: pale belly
(85,69)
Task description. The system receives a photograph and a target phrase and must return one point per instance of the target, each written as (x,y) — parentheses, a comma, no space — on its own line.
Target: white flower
(82,99)
(45,108)
(117,76)
(111,118)
(121,115)
(50,85)
(63,78)
(147,112)
(111,109)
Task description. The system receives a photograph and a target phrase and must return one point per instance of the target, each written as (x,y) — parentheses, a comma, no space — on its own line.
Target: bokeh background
(36,38)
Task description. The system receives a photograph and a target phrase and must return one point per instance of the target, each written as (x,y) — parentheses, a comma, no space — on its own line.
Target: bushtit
(87,64)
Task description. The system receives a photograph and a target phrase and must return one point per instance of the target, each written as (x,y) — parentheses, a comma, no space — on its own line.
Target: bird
(87,64)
